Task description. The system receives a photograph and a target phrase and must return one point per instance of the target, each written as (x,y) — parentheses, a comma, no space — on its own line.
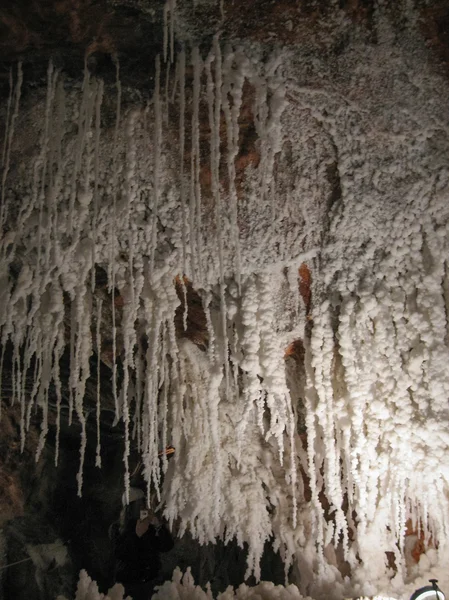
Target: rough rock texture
(56,534)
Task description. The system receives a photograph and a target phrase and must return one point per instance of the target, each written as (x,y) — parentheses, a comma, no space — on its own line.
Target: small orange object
(169,450)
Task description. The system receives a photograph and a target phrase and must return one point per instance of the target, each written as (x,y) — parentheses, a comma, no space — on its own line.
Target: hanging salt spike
(278,103)
(214,102)
(185,303)
(176,383)
(156,165)
(9,136)
(16,388)
(72,376)
(195,209)
(85,195)
(176,82)
(94,226)
(192,191)
(44,380)
(140,377)
(153,318)
(58,178)
(126,399)
(28,353)
(233,89)
(164,383)
(291,430)
(310,401)
(113,240)
(129,293)
(50,324)
(182,103)
(8,113)
(172,28)
(79,145)
(250,345)
(182,108)
(6,144)
(57,356)
(169,29)
(99,303)
(207,299)
(166,115)
(51,88)
(36,378)
(326,409)
(260,122)
(166,11)
(234,356)
(83,352)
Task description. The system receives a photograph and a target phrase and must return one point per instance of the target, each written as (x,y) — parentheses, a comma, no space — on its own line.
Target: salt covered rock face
(239,249)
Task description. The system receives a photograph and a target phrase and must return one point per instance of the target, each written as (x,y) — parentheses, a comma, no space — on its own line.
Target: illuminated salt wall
(337,178)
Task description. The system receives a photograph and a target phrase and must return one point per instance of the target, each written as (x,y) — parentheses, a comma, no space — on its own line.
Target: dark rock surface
(45,523)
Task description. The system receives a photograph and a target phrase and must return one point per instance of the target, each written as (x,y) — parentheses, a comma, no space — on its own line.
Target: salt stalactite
(214,104)
(166,12)
(94,226)
(8,112)
(52,323)
(249,343)
(52,76)
(9,136)
(375,354)
(113,240)
(57,356)
(172,28)
(376,382)
(132,293)
(156,163)
(207,299)
(193,234)
(82,355)
(72,381)
(79,145)
(99,303)
(169,15)
(233,81)
(195,187)
(158,312)
(153,316)
(182,108)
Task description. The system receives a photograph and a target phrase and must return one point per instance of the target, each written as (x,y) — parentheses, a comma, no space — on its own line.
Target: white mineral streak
(14,99)
(98,411)
(113,238)
(336,177)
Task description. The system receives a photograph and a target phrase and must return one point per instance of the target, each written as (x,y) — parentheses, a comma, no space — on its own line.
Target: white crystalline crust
(348,174)
(182,587)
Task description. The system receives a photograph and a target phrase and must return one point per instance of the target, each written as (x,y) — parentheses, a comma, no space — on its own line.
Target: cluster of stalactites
(139,216)
(377,390)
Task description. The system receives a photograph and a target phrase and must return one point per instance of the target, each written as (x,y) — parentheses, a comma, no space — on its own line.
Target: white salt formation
(182,587)
(341,180)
